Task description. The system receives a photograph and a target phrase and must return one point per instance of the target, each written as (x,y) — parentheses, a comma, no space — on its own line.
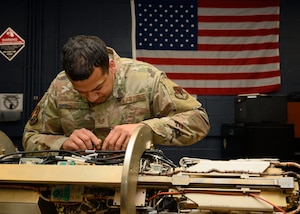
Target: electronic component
(67,193)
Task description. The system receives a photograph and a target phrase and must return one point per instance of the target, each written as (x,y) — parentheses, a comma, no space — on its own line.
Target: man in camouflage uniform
(100,98)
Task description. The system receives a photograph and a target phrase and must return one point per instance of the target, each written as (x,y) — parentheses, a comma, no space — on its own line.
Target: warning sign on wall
(10,44)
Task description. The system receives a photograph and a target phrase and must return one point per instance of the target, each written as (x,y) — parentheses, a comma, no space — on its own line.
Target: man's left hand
(119,136)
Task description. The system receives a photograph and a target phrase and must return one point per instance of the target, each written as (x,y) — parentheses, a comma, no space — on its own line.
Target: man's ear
(112,66)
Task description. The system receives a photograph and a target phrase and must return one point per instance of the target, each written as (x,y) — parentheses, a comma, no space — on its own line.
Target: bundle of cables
(89,157)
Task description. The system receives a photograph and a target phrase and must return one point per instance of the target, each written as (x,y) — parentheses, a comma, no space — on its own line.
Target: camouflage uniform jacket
(141,94)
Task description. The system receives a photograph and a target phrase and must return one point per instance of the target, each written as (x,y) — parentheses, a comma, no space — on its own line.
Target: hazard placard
(10,44)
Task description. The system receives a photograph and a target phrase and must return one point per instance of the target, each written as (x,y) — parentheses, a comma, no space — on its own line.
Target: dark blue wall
(46,25)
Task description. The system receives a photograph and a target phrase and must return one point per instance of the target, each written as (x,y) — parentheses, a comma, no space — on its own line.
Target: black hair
(81,54)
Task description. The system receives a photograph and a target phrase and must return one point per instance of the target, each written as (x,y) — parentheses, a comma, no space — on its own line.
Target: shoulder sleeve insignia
(34,116)
(180,93)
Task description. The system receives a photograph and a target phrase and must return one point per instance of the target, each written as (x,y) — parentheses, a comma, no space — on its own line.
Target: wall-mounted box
(11,106)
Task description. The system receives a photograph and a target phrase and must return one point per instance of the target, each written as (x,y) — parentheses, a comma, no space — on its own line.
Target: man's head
(81,54)
(87,65)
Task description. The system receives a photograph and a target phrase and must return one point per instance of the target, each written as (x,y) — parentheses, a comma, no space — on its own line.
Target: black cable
(159,155)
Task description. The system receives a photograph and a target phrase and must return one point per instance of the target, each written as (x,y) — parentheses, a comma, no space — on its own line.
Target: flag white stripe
(228,83)
(237,40)
(237,25)
(240,11)
(206,54)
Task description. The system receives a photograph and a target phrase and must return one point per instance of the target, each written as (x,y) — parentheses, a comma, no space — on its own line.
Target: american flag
(210,47)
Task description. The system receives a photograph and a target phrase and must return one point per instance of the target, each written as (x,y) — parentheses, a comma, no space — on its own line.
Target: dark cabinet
(260,140)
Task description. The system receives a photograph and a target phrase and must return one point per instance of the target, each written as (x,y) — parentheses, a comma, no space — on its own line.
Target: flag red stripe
(241,18)
(237,47)
(238,4)
(206,61)
(214,91)
(259,32)
(221,76)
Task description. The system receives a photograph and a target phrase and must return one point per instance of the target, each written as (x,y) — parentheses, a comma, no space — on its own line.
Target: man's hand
(82,139)
(119,136)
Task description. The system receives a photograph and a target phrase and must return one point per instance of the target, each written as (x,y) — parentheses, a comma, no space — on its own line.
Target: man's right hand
(82,139)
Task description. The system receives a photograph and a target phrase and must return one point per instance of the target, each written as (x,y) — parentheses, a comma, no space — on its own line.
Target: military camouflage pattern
(141,94)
